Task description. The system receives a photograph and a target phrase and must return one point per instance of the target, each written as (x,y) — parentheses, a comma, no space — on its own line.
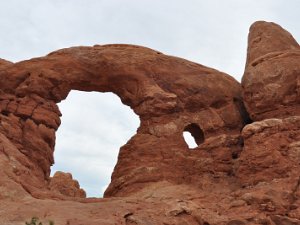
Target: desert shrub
(35,221)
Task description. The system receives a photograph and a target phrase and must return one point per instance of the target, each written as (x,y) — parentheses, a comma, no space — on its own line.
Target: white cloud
(213,33)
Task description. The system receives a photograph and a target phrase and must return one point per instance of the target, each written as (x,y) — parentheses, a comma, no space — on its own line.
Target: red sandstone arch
(166,92)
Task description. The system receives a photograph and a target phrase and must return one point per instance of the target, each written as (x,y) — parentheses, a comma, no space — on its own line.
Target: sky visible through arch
(94,126)
(211,32)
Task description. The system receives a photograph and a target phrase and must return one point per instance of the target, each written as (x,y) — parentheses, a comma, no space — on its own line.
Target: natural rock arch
(166,92)
(238,175)
(93,127)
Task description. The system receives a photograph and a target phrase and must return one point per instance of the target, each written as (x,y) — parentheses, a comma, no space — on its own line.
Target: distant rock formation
(64,184)
(242,172)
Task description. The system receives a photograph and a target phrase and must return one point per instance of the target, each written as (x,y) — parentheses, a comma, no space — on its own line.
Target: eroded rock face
(271,80)
(269,165)
(241,172)
(64,184)
(167,93)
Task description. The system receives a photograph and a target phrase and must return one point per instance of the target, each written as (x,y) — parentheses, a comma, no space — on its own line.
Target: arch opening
(93,127)
(193,135)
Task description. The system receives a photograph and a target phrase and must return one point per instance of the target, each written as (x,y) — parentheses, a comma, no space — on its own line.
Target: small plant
(35,221)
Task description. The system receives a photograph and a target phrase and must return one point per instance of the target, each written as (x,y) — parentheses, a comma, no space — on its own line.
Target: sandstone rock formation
(271,81)
(64,184)
(241,172)
(167,93)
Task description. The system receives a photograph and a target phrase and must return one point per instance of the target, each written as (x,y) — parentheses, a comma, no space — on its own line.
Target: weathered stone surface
(64,184)
(239,174)
(273,138)
(271,80)
(269,164)
(168,94)
(4,63)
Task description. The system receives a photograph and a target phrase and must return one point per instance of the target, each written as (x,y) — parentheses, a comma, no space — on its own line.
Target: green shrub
(35,221)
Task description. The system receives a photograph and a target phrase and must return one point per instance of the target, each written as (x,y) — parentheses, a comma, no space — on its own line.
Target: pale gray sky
(211,32)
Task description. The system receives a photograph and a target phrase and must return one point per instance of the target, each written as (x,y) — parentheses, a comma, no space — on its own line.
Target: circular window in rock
(193,135)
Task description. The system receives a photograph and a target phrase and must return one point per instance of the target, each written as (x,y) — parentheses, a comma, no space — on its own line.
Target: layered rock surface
(271,81)
(240,173)
(167,93)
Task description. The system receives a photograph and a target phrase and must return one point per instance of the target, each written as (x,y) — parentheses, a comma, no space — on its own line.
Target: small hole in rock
(193,135)
(234,155)
(189,139)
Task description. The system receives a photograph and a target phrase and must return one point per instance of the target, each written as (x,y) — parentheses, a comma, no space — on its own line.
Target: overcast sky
(95,125)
